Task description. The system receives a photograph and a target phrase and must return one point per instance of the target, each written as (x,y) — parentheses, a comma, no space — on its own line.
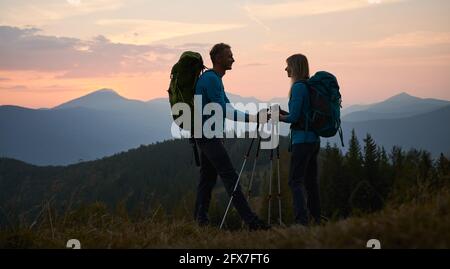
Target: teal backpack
(183,77)
(325,106)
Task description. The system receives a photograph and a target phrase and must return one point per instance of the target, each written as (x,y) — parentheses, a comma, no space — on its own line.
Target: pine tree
(426,165)
(383,159)
(353,161)
(335,188)
(365,198)
(371,171)
(353,156)
(442,171)
(370,159)
(385,173)
(443,165)
(397,157)
(353,167)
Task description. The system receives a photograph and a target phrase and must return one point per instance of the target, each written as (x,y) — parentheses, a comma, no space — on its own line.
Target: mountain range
(93,126)
(103,123)
(399,106)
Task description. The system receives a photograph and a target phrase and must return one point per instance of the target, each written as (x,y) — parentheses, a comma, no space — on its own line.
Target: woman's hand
(282,114)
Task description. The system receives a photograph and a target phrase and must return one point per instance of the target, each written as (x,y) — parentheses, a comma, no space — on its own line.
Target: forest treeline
(160,179)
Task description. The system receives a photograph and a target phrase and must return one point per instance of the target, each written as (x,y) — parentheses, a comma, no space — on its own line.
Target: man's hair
(216,50)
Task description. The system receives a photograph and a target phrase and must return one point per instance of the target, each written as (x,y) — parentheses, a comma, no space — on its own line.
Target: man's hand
(263,116)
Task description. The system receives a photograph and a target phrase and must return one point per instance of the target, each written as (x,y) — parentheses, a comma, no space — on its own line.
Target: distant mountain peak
(95,99)
(104,91)
(403,96)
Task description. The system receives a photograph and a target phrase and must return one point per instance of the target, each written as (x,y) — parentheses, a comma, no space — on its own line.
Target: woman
(305,144)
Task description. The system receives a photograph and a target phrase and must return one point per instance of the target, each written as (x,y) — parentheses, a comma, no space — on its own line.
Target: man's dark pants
(215,161)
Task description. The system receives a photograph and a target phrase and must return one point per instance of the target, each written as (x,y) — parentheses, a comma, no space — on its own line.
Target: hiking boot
(258,225)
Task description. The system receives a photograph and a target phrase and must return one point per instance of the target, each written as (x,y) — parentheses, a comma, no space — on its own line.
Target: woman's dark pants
(303,181)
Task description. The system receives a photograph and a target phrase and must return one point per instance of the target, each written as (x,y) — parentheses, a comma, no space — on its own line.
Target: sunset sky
(52,51)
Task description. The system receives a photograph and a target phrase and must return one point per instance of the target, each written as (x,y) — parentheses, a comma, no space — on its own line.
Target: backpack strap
(341,136)
(308,101)
(303,123)
(210,70)
(201,73)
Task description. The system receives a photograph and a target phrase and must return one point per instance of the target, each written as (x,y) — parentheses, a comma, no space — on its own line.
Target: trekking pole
(279,184)
(249,190)
(270,185)
(237,181)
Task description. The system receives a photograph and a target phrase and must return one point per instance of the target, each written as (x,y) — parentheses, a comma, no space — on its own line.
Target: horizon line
(228,92)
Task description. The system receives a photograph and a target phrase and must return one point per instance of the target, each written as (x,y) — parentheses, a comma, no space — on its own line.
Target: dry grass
(413,225)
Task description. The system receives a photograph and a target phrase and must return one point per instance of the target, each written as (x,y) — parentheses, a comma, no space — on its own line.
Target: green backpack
(183,78)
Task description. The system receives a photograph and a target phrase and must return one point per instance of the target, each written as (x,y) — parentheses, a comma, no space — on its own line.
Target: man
(214,158)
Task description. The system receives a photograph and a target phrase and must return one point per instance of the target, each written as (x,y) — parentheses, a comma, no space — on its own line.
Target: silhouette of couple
(215,161)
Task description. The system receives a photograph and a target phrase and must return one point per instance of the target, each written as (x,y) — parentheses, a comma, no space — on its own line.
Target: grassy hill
(144,198)
(420,223)
(160,174)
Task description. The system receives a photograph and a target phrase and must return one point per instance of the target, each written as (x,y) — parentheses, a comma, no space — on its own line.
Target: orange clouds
(43,71)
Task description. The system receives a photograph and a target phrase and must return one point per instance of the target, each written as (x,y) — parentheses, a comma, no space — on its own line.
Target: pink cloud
(24,49)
